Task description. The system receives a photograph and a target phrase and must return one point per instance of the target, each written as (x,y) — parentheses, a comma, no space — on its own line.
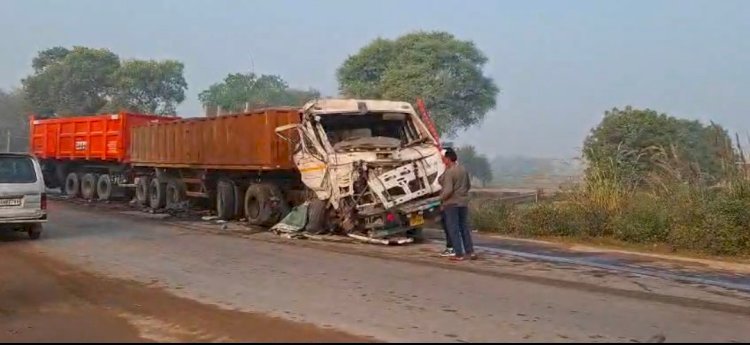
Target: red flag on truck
(428,121)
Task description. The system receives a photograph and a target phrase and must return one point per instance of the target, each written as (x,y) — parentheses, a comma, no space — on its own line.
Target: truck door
(310,159)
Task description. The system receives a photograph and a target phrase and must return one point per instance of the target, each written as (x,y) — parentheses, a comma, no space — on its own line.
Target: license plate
(10,202)
(416,220)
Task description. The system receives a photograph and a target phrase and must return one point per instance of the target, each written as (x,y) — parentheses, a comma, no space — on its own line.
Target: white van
(23,201)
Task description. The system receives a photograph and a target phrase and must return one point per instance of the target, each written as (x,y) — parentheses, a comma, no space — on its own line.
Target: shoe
(473,257)
(448,252)
(458,258)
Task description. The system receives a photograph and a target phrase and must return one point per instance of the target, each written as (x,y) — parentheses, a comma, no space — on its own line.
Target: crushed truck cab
(373,163)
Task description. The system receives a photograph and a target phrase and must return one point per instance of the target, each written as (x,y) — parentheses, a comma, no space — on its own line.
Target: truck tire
(104,187)
(157,196)
(175,194)
(316,216)
(35,231)
(72,185)
(142,184)
(258,205)
(225,202)
(88,186)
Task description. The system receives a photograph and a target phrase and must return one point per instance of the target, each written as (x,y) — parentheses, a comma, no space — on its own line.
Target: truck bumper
(408,217)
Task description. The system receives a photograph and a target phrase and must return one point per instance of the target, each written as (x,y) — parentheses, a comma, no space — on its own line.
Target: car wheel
(35,231)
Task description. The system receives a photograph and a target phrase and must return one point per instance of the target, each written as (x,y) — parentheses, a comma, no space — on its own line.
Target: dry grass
(676,207)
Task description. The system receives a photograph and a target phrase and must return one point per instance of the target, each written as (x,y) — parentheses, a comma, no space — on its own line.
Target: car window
(17,170)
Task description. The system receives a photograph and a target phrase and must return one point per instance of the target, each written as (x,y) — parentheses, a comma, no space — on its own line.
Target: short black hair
(451,154)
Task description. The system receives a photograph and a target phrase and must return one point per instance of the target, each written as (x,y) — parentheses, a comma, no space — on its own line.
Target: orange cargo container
(234,142)
(99,137)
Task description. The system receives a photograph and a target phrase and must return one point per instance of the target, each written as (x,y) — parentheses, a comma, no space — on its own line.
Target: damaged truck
(373,167)
(367,169)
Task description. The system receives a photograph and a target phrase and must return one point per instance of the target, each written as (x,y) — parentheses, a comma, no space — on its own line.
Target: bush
(683,214)
(687,218)
(720,225)
(492,215)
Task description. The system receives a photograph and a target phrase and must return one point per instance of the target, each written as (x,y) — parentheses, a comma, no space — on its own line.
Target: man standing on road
(454,196)
(448,243)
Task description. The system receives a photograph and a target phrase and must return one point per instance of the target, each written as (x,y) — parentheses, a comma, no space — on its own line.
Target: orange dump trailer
(100,137)
(246,141)
(237,162)
(233,161)
(87,155)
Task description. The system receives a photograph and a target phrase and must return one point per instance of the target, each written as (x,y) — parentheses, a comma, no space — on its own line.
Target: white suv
(23,201)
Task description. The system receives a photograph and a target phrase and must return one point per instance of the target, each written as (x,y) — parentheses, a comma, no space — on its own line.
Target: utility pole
(7,142)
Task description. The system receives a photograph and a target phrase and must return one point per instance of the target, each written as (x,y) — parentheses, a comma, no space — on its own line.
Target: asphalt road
(367,292)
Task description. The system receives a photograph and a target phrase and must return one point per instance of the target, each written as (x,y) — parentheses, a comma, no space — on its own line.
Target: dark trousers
(457,222)
(448,242)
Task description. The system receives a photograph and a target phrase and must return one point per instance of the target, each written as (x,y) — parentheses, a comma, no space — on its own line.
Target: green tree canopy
(642,142)
(74,81)
(154,87)
(238,90)
(435,66)
(83,81)
(476,164)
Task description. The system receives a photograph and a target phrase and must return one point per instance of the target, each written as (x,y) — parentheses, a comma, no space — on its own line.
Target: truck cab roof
(355,106)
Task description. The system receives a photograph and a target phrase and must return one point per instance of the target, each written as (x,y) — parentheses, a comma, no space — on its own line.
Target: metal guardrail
(514,196)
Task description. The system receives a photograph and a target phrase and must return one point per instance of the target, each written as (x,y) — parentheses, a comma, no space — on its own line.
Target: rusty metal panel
(246,141)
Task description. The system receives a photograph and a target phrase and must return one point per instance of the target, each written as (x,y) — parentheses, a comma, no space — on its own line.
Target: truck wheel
(175,194)
(104,187)
(257,208)
(72,185)
(225,202)
(264,204)
(88,186)
(157,196)
(316,216)
(142,184)
(35,231)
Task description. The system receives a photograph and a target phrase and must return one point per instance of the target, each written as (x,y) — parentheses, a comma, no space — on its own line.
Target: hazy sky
(559,64)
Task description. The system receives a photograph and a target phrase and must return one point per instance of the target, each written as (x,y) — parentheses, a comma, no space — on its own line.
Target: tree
(76,81)
(154,87)
(642,142)
(13,121)
(476,164)
(239,90)
(444,71)
(85,81)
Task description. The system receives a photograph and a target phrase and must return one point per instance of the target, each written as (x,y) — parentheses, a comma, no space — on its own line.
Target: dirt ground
(43,300)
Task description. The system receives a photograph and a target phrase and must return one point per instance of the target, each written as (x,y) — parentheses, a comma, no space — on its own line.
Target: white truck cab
(373,163)
(23,201)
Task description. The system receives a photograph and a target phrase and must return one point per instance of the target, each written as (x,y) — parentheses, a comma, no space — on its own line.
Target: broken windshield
(368,131)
